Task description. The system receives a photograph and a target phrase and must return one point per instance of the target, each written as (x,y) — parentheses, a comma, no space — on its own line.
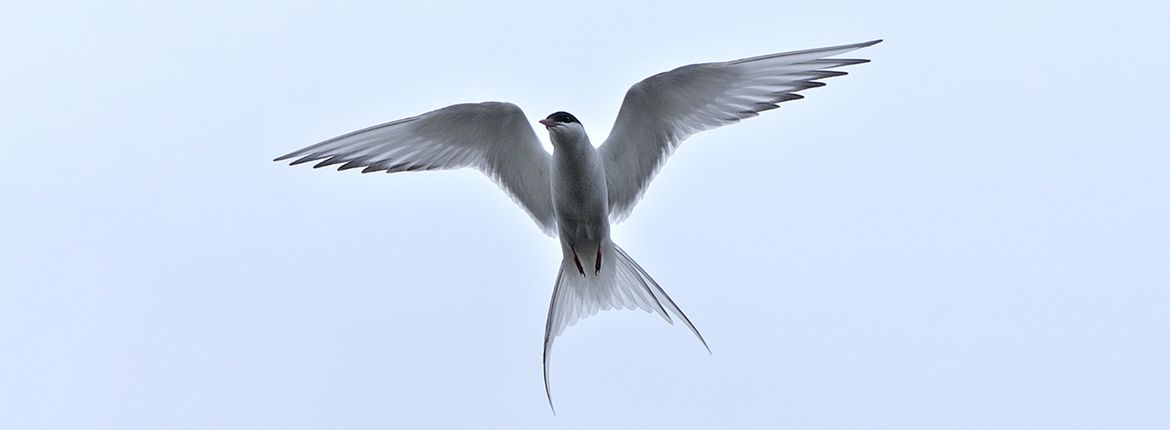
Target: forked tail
(620,284)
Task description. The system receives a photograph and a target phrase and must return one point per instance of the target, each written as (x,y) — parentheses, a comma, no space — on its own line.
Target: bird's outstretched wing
(661,111)
(492,137)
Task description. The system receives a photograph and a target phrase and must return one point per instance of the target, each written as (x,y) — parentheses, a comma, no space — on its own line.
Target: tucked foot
(580,269)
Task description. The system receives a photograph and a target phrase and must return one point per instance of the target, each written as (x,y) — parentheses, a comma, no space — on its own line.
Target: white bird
(579,190)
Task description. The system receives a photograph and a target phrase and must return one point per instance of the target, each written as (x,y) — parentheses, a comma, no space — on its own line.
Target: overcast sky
(969,232)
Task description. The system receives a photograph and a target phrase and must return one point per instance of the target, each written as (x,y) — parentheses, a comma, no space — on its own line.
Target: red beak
(548,122)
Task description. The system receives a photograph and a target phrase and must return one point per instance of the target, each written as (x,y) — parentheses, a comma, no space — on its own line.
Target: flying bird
(577,192)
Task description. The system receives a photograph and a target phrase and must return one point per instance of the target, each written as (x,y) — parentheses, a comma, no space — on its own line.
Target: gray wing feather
(661,111)
(493,137)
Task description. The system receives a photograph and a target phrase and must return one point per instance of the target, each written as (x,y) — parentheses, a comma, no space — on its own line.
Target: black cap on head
(563,117)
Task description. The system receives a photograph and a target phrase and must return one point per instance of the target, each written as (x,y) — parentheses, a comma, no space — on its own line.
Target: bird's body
(576,192)
(579,195)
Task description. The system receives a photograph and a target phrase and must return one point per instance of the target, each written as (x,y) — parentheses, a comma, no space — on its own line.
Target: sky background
(970,232)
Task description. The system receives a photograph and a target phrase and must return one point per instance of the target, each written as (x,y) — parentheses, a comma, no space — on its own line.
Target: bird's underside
(576,192)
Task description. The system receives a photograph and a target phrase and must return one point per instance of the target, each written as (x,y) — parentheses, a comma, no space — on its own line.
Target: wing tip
(293,154)
(327,162)
(353,164)
(840,49)
(787,96)
(854,46)
(300,161)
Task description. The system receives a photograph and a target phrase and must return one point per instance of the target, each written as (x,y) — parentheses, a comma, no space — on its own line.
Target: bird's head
(563,127)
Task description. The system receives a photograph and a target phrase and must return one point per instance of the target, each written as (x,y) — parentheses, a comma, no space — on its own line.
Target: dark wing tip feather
(832,63)
(304,159)
(360,162)
(303,153)
(851,61)
(825,74)
(330,161)
(784,97)
(763,107)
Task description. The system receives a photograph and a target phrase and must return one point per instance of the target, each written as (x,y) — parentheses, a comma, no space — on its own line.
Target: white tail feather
(620,284)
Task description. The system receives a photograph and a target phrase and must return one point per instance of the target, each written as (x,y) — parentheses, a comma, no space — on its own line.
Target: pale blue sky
(969,232)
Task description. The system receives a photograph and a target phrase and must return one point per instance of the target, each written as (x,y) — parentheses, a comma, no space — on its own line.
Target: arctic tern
(579,190)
